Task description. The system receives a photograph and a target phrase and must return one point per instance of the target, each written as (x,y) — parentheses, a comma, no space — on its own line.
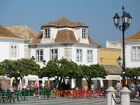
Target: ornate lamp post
(126,20)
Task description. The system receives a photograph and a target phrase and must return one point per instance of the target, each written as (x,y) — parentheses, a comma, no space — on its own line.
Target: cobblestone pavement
(89,101)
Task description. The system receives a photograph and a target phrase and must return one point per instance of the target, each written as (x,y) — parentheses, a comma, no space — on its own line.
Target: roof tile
(136,36)
(64,22)
(65,36)
(4,32)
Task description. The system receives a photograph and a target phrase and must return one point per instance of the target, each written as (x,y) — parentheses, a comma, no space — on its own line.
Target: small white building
(114,44)
(132,49)
(11,46)
(65,39)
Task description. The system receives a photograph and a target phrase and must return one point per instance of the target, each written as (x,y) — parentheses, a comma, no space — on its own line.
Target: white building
(65,39)
(11,46)
(114,44)
(132,49)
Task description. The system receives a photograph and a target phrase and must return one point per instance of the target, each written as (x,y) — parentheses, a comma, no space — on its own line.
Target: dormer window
(84,33)
(47,33)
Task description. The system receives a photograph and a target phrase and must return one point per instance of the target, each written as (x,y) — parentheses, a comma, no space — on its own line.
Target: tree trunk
(89,84)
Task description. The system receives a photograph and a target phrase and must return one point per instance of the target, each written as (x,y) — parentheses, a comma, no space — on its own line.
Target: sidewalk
(135,100)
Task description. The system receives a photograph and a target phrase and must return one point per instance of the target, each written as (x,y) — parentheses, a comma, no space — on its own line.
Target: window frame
(39,55)
(89,55)
(54,54)
(79,54)
(13,51)
(68,53)
(84,33)
(47,33)
(135,53)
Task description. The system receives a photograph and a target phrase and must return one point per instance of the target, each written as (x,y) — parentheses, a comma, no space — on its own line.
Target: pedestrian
(138,89)
(92,86)
(133,90)
(11,89)
(85,87)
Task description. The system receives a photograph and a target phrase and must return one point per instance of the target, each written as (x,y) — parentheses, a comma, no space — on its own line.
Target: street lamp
(119,60)
(126,20)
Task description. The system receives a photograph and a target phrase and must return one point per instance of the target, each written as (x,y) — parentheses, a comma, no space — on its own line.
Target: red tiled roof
(64,22)
(65,36)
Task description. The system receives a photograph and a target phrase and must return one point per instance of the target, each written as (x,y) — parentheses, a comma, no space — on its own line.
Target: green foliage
(20,68)
(59,69)
(92,71)
(50,70)
(132,72)
(10,67)
(68,68)
(2,70)
(28,66)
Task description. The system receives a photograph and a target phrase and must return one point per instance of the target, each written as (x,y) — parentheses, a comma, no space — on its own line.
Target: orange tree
(20,68)
(60,70)
(92,71)
(132,73)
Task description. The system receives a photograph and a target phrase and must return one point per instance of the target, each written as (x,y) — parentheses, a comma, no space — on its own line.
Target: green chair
(10,97)
(4,97)
(18,95)
(47,93)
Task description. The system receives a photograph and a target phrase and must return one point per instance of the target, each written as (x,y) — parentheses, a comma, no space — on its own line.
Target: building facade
(132,50)
(64,39)
(12,47)
(109,56)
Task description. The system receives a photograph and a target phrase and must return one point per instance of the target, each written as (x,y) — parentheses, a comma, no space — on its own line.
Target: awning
(113,69)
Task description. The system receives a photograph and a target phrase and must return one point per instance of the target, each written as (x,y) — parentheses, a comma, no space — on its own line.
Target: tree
(20,68)
(2,70)
(92,71)
(69,68)
(50,70)
(28,66)
(61,69)
(132,73)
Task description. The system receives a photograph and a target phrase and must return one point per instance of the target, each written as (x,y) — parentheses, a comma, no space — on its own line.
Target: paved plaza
(62,101)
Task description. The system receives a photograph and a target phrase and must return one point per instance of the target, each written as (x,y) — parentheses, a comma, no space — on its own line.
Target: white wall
(114,44)
(84,55)
(128,55)
(5,48)
(53,31)
(61,51)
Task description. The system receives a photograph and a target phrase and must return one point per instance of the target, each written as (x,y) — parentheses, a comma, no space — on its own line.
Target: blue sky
(97,14)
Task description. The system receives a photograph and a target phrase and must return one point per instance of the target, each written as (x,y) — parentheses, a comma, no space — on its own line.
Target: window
(14,51)
(89,55)
(54,54)
(39,55)
(79,55)
(47,33)
(84,33)
(136,53)
(68,53)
